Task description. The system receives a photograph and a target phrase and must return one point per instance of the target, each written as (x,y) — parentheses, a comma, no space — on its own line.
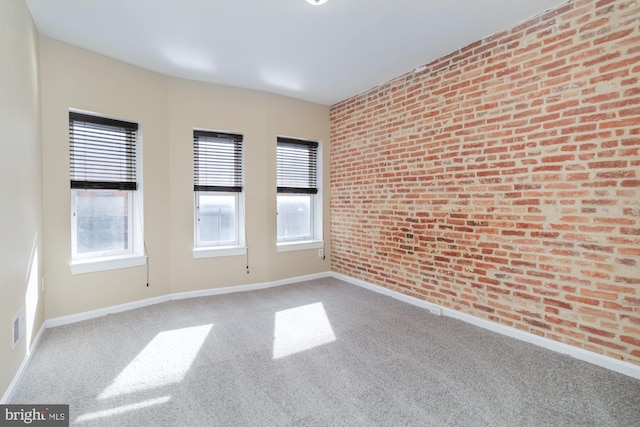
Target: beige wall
(260,118)
(168,109)
(297,119)
(76,78)
(21,190)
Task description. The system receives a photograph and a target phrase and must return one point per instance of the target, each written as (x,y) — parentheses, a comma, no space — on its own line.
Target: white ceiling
(322,54)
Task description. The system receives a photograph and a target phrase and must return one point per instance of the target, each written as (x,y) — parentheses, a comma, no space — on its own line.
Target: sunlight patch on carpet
(164,361)
(301,328)
(122,409)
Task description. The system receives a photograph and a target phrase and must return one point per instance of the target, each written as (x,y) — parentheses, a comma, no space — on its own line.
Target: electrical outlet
(435,310)
(320,252)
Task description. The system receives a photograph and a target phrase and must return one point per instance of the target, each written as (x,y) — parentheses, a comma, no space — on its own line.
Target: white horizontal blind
(217,161)
(297,166)
(102,152)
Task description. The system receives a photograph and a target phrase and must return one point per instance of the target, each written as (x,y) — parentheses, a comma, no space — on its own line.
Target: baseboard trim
(23,366)
(603,361)
(100,312)
(246,288)
(79,317)
(625,368)
(87,315)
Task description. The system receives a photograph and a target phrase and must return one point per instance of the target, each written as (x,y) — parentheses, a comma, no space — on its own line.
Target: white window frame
(316,239)
(212,249)
(312,233)
(113,259)
(207,249)
(106,253)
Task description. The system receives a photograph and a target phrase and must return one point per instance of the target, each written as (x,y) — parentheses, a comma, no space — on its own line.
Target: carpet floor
(316,353)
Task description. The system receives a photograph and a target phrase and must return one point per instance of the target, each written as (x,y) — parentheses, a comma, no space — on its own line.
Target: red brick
(561,304)
(619,64)
(560,158)
(514,164)
(537,323)
(599,294)
(631,340)
(609,164)
(613,36)
(629,251)
(606,343)
(595,331)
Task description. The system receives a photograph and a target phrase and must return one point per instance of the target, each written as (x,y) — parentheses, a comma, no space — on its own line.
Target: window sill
(300,245)
(92,265)
(214,252)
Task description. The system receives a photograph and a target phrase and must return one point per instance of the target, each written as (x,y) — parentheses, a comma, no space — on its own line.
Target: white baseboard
(246,288)
(79,317)
(73,318)
(23,366)
(625,368)
(607,362)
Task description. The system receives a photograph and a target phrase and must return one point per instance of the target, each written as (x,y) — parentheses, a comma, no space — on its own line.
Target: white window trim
(219,251)
(132,243)
(317,217)
(134,257)
(92,265)
(298,245)
(240,236)
(226,248)
(312,221)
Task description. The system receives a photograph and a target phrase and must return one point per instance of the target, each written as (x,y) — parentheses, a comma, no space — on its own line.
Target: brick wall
(504,179)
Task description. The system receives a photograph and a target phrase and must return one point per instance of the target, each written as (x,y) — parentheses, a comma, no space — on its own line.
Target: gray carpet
(317,353)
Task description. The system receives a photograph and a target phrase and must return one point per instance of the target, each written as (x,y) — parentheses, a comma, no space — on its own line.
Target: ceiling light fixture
(316,2)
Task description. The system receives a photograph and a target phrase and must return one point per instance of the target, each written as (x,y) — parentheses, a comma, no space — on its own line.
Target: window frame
(311,235)
(315,240)
(134,254)
(102,253)
(199,243)
(217,186)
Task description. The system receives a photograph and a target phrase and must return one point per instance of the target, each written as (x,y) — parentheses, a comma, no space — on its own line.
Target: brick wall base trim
(607,362)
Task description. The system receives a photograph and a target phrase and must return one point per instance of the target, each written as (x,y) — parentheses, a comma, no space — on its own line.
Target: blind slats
(102,152)
(297,166)
(217,162)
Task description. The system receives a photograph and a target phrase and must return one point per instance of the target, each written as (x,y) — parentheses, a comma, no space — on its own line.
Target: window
(218,186)
(299,203)
(105,211)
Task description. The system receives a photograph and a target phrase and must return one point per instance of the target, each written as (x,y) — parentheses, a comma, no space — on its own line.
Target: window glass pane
(217,218)
(102,221)
(294,216)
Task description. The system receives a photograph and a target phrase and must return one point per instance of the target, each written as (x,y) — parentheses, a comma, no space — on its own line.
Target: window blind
(217,161)
(102,153)
(297,166)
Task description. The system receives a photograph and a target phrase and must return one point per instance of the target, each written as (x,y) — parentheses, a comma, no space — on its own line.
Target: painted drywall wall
(305,120)
(503,180)
(168,110)
(76,78)
(21,191)
(260,117)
